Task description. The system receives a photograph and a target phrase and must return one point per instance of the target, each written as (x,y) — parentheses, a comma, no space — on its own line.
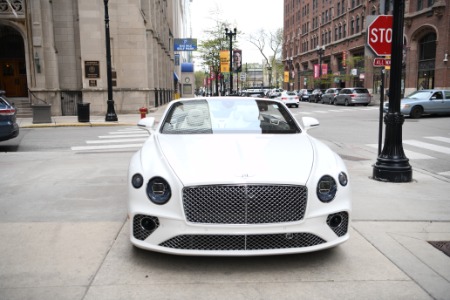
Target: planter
(41,113)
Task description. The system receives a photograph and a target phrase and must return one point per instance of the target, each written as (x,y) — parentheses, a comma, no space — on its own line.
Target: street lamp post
(229,34)
(289,61)
(269,69)
(110,112)
(320,50)
(392,164)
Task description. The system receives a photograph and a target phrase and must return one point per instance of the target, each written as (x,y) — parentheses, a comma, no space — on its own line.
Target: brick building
(334,34)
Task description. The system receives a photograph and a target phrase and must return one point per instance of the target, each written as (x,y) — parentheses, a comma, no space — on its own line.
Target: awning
(175,76)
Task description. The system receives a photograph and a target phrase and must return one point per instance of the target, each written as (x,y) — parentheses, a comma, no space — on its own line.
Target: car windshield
(425,95)
(216,116)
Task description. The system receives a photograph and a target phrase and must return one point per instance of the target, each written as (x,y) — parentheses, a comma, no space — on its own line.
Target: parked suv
(330,95)
(8,126)
(352,96)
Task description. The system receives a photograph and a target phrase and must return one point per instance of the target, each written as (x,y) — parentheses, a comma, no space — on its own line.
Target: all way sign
(381,62)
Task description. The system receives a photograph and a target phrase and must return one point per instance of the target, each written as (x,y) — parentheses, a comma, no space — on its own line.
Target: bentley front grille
(243,242)
(244,204)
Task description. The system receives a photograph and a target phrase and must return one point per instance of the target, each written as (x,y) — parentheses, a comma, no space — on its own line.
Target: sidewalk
(94,120)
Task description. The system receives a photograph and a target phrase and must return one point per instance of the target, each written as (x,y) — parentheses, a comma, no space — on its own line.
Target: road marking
(439,138)
(445,173)
(106,147)
(116,141)
(409,154)
(428,146)
(122,136)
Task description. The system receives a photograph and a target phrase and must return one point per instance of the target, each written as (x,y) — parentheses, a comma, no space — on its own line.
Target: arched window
(427,56)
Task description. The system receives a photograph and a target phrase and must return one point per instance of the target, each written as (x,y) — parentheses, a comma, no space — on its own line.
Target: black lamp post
(110,113)
(229,34)
(320,50)
(269,69)
(289,61)
(392,164)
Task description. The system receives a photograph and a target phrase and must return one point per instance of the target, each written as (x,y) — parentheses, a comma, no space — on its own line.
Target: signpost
(379,36)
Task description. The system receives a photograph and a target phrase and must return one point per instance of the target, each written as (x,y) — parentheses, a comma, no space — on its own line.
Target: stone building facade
(333,33)
(57,52)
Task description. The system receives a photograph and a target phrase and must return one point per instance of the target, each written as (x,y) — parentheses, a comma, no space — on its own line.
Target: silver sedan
(424,102)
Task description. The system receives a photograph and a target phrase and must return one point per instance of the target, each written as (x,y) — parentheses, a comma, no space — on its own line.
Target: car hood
(243,158)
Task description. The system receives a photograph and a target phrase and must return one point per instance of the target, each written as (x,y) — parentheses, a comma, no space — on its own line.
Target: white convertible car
(236,177)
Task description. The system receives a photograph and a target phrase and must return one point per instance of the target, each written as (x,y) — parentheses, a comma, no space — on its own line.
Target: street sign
(379,36)
(381,62)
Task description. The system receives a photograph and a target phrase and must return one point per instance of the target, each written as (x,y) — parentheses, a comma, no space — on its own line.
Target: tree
(274,40)
(209,49)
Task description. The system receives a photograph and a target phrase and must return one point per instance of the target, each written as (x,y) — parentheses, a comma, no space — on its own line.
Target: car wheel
(334,102)
(416,112)
(346,102)
(296,105)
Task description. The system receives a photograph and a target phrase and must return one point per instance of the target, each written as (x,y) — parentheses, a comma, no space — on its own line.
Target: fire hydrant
(143,111)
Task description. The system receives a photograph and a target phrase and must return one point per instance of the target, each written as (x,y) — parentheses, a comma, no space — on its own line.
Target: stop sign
(380,35)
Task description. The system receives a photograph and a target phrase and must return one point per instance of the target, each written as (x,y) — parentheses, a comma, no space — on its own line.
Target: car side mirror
(309,122)
(147,123)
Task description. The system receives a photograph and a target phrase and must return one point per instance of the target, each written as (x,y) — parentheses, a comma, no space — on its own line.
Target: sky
(248,16)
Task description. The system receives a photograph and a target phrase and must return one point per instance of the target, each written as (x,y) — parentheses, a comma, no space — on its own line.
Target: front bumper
(173,236)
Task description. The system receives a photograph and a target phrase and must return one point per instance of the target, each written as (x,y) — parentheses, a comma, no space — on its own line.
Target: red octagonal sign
(379,38)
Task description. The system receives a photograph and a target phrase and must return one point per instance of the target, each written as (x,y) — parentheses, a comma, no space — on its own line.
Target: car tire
(416,112)
(346,102)
(334,102)
(296,105)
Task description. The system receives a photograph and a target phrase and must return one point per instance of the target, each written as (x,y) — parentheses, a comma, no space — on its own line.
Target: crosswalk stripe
(122,136)
(116,141)
(439,138)
(428,146)
(409,154)
(106,147)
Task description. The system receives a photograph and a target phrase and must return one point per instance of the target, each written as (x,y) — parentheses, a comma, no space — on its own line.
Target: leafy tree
(274,40)
(209,49)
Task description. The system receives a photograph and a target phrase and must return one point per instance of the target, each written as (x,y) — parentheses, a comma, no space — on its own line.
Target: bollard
(143,111)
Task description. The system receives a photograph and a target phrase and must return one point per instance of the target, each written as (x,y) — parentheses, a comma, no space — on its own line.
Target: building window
(352,27)
(419,4)
(357,24)
(345,30)
(427,57)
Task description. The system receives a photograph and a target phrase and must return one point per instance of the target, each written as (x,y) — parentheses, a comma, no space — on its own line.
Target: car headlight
(326,188)
(158,190)
(137,181)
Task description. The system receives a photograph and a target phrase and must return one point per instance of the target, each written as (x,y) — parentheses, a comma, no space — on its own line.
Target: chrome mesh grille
(243,242)
(244,204)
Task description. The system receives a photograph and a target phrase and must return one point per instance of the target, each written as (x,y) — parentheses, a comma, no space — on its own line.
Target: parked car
(424,102)
(316,95)
(288,98)
(214,178)
(8,126)
(303,94)
(352,96)
(329,95)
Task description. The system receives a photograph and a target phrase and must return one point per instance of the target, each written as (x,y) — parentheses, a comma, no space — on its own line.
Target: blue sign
(185,45)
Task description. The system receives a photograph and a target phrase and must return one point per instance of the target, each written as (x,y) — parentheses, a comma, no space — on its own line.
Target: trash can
(83,112)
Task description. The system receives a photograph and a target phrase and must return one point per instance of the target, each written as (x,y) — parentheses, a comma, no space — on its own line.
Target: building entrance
(13,74)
